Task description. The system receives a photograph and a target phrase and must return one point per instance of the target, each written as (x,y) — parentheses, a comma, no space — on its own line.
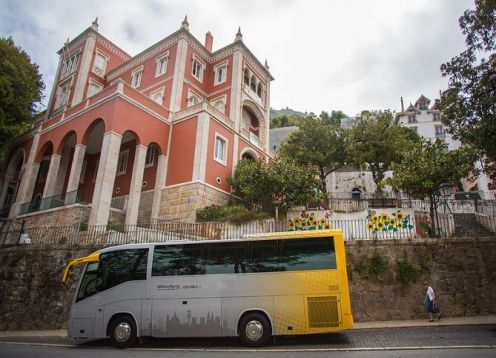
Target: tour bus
(271,284)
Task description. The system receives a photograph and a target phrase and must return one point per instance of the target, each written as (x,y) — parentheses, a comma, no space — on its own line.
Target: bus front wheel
(123,331)
(254,329)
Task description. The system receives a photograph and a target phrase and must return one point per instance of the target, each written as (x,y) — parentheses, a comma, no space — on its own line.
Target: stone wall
(32,295)
(181,202)
(461,271)
(57,217)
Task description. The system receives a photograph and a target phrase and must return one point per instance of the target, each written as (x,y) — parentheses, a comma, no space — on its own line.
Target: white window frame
(223,160)
(222,67)
(151,149)
(122,162)
(192,96)
(94,84)
(222,99)
(137,73)
(201,66)
(58,95)
(160,92)
(70,64)
(159,60)
(438,130)
(100,70)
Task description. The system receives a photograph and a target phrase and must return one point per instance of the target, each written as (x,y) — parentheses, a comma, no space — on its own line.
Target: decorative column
(159,185)
(201,147)
(136,185)
(51,178)
(104,184)
(28,177)
(75,173)
(236,89)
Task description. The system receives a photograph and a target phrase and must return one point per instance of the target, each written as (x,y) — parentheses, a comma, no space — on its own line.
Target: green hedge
(232,213)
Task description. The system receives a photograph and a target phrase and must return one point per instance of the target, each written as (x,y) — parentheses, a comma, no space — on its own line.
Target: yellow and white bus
(285,283)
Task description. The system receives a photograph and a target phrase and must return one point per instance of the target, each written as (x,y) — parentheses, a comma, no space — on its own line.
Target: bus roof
(248,237)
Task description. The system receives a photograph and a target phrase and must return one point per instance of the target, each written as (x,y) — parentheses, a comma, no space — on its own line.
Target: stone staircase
(467,225)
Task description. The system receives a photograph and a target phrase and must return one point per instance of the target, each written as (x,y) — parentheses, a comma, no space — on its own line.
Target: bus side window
(307,254)
(263,256)
(178,260)
(226,258)
(120,266)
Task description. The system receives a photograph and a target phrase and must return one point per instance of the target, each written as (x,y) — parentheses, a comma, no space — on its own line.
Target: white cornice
(143,56)
(196,45)
(112,48)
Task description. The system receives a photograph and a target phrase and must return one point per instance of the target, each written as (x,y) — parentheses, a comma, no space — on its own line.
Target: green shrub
(407,273)
(371,267)
(208,213)
(235,214)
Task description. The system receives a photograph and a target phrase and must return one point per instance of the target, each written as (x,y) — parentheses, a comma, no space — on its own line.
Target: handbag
(435,308)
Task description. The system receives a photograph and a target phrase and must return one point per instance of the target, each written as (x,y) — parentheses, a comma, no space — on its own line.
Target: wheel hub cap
(122,332)
(254,330)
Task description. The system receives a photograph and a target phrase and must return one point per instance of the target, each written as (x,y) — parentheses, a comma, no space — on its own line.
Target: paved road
(440,341)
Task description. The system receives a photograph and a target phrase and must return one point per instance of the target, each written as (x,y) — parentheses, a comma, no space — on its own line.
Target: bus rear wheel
(123,331)
(254,329)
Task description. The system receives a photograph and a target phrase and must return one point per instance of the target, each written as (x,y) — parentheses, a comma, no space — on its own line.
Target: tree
(469,105)
(279,179)
(334,118)
(283,120)
(317,143)
(376,142)
(21,89)
(426,165)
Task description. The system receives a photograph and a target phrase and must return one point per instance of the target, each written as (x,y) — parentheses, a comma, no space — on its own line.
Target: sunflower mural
(383,222)
(308,222)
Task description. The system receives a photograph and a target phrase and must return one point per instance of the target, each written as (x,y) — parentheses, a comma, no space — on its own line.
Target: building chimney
(209,41)
(402,105)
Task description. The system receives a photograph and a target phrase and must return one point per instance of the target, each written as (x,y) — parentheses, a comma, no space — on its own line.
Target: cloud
(324,55)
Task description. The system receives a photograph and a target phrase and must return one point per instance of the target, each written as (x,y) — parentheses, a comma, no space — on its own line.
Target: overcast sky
(347,55)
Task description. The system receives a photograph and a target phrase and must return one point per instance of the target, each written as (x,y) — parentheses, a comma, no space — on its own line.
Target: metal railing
(119,202)
(51,202)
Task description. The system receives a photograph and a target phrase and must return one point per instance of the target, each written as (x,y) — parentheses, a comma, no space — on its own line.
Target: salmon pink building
(152,135)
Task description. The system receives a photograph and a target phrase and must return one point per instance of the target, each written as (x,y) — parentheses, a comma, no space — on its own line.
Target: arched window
(259,90)
(253,84)
(247,77)
(220,106)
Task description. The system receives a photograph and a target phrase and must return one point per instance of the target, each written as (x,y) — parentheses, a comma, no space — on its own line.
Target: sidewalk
(449,321)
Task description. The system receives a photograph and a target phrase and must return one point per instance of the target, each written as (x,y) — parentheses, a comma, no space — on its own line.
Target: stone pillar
(104,184)
(159,185)
(84,69)
(26,188)
(28,177)
(51,178)
(235,152)
(64,163)
(236,89)
(76,167)
(136,185)
(179,72)
(3,193)
(201,147)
